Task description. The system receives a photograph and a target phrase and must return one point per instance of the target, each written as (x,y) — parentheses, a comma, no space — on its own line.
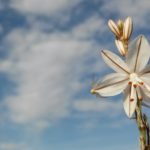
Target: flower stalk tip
(120,46)
(120,24)
(122,31)
(93,91)
(114,28)
(127,30)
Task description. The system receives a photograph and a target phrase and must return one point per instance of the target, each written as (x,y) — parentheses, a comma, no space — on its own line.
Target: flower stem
(143,127)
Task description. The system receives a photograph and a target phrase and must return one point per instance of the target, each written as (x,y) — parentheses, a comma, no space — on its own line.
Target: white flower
(132,77)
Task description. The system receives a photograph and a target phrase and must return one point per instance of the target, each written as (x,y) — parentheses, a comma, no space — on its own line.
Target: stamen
(139,94)
(139,81)
(142,83)
(132,92)
(129,82)
(131,100)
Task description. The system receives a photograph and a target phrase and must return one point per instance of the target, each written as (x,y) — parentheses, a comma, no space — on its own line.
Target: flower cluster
(132,75)
(122,31)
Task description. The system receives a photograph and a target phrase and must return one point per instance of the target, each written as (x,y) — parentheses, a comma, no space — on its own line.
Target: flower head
(122,31)
(132,76)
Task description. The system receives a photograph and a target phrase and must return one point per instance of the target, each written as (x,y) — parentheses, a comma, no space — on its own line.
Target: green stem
(141,126)
(147,128)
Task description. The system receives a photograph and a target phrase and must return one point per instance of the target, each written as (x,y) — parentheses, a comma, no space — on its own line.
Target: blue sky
(49,59)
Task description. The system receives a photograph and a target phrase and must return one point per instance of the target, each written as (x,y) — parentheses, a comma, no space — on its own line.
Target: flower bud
(120,24)
(127,30)
(120,47)
(114,28)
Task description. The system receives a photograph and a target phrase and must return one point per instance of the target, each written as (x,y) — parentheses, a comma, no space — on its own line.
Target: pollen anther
(141,83)
(131,100)
(129,82)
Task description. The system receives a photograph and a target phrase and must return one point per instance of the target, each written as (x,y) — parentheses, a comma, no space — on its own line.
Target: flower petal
(111,85)
(146,98)
(145,92)
(145,70)
(129,104)
(138,54)
(146,80)
(115,62)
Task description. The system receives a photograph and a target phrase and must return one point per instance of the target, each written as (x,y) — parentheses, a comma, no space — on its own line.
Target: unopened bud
(120,47)
(114,28)
(127,29)
(120,25)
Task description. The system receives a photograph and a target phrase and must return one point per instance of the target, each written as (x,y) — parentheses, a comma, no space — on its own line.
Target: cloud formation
(12,146)
(48,68)
(97,106)
(42,70)
(42,7)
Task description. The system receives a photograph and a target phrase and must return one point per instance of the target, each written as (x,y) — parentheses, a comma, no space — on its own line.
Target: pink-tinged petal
(115,62)
(129,103)
(111,85)
(138,54)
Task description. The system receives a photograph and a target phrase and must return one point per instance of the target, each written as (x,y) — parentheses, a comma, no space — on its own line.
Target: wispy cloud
(12,146)
(91,26)
(48,68)
(41,70)
(42,7)
(97,106)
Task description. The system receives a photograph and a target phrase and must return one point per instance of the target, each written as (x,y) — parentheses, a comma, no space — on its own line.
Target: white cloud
(12,146)
(93,25)
(95,122)
(1,5)
(97,106)
(1,29)
(93,111)
(43,69)
(48,68)
(42,7)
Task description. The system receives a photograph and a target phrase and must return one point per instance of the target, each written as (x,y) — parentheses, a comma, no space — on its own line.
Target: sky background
(49,59)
